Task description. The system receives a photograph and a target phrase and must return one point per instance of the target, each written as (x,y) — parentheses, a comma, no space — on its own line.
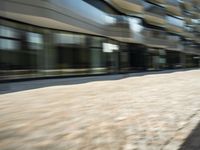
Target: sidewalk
(21,85)
(151,112)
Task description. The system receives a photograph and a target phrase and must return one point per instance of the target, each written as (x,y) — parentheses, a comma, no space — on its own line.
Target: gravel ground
(151,112)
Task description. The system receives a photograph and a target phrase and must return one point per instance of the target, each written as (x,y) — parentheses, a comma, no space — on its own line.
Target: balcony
(196,4)
(191,50)
(125,29)
(188,20)
(154,14)
(154,38)
(131,7)
(188,35)
(191,47)
(174,29)
(174,25)
(187,5)
(128,29)
(154,19)
(197,38)
(195,15)
(158,2)
(173,8)
(160,39)
(174,43)
(118,29)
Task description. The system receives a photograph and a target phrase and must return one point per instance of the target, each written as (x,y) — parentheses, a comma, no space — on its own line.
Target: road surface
(151,112)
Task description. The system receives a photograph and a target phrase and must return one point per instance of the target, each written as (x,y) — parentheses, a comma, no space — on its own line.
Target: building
(48,38)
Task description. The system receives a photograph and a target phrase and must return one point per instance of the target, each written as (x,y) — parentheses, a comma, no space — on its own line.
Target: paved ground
(152,112)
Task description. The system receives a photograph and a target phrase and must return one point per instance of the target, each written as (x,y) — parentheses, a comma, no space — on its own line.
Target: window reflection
(175,21)
(70,51)
(8,32)
(34,40)
(173,37)
(157,10)
(64,38)
(96,42)
(135,24)
(7,44)
(83,7)
(79,39)
(109,48)
(61,38)
(9,38)
(173,2)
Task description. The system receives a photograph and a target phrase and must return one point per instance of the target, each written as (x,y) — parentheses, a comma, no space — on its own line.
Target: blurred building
(47,38)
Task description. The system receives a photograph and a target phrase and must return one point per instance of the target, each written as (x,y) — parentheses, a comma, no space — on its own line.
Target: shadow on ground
(28,84)
(192,142)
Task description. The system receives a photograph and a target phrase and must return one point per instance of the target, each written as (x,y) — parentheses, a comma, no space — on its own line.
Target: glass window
(79,39)
(173,2)
(102,6)
(61,38)
(175,21)
(135,24)
(96,57)
(64,38)
(188,29)
(196,21)
(173,37)
(96,42)
(84,8)
(153,9)
(8,32)
(109,48)
(35,40)
(7,44)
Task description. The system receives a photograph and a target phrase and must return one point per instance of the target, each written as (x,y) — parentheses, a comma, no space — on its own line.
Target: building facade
(48,38)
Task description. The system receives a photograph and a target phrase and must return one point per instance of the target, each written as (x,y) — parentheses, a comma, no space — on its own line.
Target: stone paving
(152,112)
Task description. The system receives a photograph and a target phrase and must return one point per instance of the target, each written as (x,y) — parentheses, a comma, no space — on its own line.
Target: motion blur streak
(48,38)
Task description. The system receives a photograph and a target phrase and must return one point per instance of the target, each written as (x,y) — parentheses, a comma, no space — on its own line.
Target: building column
(183,60)
(49,53)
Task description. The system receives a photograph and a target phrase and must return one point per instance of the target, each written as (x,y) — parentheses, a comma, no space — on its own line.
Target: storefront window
(96,42)
(67,38)
(9,38)
(8,32)
(97,56)
(7,44)
(71,51)
(35,41)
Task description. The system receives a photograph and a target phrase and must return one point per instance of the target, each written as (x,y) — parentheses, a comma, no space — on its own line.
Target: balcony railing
(127,6)
(157,34)
(158,1)
(130,30)
(160,38)
(154,19)
(188,35)
(173,9)
(191,49)
(174,29)
(138,2)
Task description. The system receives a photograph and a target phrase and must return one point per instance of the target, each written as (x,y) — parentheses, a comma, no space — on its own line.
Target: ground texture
(151,112)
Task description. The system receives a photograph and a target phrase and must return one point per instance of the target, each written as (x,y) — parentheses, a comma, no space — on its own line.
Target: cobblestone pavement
(152,112)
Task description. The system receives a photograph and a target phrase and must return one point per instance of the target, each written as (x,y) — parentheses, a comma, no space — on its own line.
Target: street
(150,112)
